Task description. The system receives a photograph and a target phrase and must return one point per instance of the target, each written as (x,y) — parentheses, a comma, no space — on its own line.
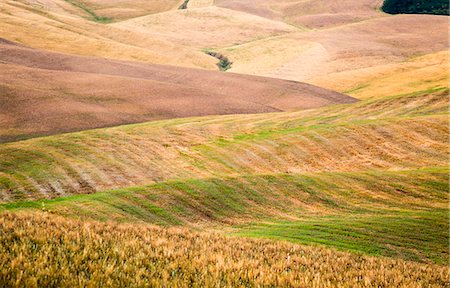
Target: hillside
(203,168)
(225,27)
(400,131)
(313,14)
(319,54)
(113,10)
(61,93)
(256,44)
(324,214)
(68,29)
(130,157)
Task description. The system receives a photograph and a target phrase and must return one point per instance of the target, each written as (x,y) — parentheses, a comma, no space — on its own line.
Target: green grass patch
(90,12)
(416,236)
(402,214)
(356,89)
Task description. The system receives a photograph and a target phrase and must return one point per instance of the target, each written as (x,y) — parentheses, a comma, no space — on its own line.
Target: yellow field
(73,34)
(125,9)
(224,27)
(259,45)
(360,48)
(113,255)
(415,74)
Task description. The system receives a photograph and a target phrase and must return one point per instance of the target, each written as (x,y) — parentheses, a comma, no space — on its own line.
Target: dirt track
(46,93)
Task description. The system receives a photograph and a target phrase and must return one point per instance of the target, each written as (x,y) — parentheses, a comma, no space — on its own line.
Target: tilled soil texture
(314,14)
(43,93)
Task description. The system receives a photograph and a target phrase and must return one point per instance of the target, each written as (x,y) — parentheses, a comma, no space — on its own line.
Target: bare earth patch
(47,93)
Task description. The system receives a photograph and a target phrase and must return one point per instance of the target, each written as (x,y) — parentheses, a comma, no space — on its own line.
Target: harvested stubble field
(48,251)
(396,132)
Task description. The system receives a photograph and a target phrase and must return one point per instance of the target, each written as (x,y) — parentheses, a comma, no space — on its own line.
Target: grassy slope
(225,27)
(357,211)
(401,213)
(397,132)
(315,14)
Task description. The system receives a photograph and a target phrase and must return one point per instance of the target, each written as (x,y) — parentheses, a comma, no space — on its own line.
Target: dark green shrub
(224,63)
(184,5)
(437,7)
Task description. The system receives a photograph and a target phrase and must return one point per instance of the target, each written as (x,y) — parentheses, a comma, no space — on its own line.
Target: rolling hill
(126,160)
(410,131)
(310,56)
(46,93)
(314,14)
(64,30)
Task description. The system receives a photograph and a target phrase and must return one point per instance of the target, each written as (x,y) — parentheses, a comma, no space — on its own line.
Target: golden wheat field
(224,143)
(47,251)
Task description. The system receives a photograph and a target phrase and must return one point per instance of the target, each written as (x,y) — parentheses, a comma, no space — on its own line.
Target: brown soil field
(310,13)
(46,93)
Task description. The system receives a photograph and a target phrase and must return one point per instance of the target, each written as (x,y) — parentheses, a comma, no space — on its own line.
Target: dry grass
(415,74)
(296,55)
(48,251)
(266,55)
(398,132)
(349,51)
(64,31)
(125,9)
(205,27)
(246,173)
